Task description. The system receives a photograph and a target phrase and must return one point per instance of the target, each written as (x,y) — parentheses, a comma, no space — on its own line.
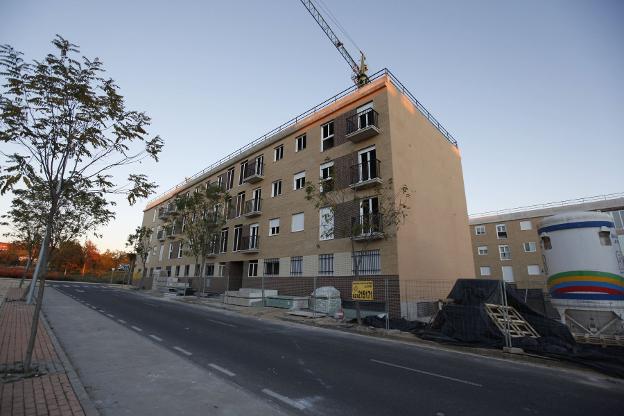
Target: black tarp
(464,321)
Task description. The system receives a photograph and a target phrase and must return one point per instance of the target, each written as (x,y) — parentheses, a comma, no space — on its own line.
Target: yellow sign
(362,290)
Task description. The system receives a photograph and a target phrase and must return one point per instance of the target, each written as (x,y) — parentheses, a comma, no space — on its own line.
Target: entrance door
(508,274)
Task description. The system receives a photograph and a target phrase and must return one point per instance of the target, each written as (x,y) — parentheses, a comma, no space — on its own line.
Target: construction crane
(359,71)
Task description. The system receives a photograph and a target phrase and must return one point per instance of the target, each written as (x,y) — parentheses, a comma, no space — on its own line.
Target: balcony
(250,244)
(253,208)
(163,213)
(161,235)
(173,232)
(367,227)
(365,175)
(214,249)
(362,125)
(254,172)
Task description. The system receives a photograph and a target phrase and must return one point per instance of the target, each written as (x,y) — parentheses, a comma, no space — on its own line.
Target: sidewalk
(129,372)
(49,393)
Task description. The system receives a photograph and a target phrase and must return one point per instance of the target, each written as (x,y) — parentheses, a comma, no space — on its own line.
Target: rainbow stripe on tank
(586,284)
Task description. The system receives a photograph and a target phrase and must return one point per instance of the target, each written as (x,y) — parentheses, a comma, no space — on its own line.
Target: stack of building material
(287,302)
(326,300)
(247,297)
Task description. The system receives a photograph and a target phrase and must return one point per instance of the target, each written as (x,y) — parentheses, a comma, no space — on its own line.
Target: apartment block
(357,140)
(506,245)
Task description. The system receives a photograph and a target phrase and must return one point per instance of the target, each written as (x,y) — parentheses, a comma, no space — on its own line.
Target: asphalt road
(309,370)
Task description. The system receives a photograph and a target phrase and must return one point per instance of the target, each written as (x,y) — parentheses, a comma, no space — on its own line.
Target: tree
(65,129)
(201,215)
(68,257)
(140,243)
(26,226)
(386,209)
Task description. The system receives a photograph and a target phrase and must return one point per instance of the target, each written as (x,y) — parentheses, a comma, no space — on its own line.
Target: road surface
(307,370)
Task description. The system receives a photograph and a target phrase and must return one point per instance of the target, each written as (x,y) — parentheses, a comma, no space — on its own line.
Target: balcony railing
(366,174)
(161,235)
(254,172)
(362,125)
(253,207)
(250,243)
(214,248)
(367,227)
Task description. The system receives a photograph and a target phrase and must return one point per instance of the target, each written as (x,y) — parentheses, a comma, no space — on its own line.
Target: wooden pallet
(604,340)
(505,317)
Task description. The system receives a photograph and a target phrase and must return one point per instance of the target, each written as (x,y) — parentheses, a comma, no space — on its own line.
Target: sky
(533,91)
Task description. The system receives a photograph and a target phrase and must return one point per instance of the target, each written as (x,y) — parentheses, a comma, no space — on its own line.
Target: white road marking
(458,380)
(183,351)
(156,338)
(121,320)
(223,370)
(288,401)
(136,328)
(78,290)
(109,315)
(102,310)
(220,323)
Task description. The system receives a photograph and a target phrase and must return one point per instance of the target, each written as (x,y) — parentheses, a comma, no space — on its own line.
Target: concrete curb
(83,397)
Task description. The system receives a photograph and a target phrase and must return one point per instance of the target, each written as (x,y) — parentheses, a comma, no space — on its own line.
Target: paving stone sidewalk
(50,392)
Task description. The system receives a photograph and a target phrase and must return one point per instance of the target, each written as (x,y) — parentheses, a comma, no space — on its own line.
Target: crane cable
(333,18)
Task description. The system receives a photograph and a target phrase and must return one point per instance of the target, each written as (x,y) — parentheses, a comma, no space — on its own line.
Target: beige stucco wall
(434,242)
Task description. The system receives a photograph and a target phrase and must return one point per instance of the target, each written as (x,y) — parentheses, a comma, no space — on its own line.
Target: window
(278,153)
(177,271)
(367,262)
(327,136)
(154,251)
(187,270)
(238,235)
(367,164)
(300,143)
(252,268)
(605,238)
(296,265)
(274,226)
(243,168)
(168,270)
(220,271)
(479,229)
(534,270)
(297,222)
(229,182)
(526,225)
(530,247)
(180,248)
(276,188)
(365,118)
(546,243)
(485,270)
(271,267)
(326,264)
(210,269)
(482,250)
(154,218)
(326,224)
(501,231)
(618,218)
(327,176)
(170,250)
(299,180)
(162,248)
(240,203)
(224,240)
(505,253)
(253,236)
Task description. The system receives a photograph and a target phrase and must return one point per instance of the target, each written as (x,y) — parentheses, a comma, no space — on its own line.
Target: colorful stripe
(583,284)
(573,225)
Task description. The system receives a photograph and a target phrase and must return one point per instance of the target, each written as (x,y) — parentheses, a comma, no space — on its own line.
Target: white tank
(584,266)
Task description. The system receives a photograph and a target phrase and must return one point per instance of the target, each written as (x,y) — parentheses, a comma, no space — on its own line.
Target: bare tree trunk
(28,263)
(41,260)
(356,274)
(39,274)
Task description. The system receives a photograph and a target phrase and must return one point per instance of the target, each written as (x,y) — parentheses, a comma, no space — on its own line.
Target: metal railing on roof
(555,204)
(293,121)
